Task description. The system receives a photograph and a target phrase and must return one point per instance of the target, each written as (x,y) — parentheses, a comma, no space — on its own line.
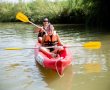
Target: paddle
(88,45)
(92,45)
(20,16)
(18,48)
(24,18)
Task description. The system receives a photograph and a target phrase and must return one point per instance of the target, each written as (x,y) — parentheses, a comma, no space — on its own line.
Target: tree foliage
(89,12)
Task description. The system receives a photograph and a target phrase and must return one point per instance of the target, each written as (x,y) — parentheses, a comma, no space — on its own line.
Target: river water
(18,70)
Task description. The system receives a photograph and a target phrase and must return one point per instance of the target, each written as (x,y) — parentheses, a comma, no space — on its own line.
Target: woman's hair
(50,28)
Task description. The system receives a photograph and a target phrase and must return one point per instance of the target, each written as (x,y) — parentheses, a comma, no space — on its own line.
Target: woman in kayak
(51,38)
(42,30)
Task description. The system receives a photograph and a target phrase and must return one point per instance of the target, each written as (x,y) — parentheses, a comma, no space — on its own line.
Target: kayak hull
(58,64)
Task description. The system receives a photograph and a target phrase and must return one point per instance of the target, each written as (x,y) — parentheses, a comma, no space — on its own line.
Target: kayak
(59,63)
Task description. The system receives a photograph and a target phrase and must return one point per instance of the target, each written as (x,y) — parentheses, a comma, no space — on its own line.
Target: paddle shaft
(18,48)
(89,45)
(34,24)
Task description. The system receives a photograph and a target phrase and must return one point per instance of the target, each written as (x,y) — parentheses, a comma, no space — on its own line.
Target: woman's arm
(59,41)
(38,29)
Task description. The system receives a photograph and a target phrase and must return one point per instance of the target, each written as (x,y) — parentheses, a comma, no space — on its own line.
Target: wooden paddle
(20,16)
(88,45)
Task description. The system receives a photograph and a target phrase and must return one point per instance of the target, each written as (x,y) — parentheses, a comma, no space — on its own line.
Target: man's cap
(45,20)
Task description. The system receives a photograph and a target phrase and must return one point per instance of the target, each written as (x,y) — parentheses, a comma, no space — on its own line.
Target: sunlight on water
(18,70)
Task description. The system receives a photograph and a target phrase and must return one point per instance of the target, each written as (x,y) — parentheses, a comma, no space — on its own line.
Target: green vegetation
(89,12)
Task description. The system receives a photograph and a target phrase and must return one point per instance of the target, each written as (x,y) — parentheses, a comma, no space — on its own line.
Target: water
(18,70)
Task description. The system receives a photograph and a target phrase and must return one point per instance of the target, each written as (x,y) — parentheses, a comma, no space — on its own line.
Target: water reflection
(90,68)
(54,81)
(90,61)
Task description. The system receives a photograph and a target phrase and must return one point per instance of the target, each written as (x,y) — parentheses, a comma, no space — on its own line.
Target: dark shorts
(51,49)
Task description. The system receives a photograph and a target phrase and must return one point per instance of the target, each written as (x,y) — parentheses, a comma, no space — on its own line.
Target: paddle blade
(20,16)
(92,45)
(13,48)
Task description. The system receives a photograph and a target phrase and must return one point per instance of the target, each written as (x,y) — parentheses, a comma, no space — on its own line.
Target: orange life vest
(51,40)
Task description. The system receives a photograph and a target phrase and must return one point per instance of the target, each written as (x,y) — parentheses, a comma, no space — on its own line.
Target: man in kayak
(42,30)
(51,38)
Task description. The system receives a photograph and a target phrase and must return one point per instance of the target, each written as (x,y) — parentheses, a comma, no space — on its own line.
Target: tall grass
(65,11)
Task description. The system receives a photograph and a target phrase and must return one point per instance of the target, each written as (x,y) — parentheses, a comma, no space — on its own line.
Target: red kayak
(59,63)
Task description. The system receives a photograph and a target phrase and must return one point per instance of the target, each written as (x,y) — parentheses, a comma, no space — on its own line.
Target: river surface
(90,69)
